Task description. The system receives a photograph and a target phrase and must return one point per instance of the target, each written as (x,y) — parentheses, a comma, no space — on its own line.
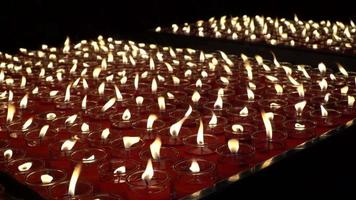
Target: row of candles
(324,35)
(111,119)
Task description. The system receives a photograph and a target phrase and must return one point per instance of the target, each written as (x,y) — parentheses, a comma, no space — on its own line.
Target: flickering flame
(67,94)
(244,112)
(332,77)
(147,175)
(23,102)
(300,90)
(11,96)
(8,154)
(342,70)
(259,59)
(53,93)
(198,83)
(151,119)
(108,104)
(96,72)
(326,97)
(195,97)
(84,102)
(299,126)
(194,167)
(250,94)
(118,93)
(71,119)
(272,78)
(324,112)
(23,82)
(218,103)
(233,145)
(344,90)
(237,128)
(43,131)
(25,166)
(74,179)
(213,121)
(279,89)
(275,61)
(170,95)
(105,134)
(323,85)
(221,92)
(51,116)
(155,148)
(68,145)
(89,159)
(200,134)
(129,141)
(66,47)
(139,100)
(175,80)
(350,101)
(293,81)
(322,68)
(136,81)
(46,178)
(154,86)
(299,107)
(10,112)
(126,115)
(152,64)
(101,89)
(268,126)
(161,103)
(224,80)
(27,123)
(120,170)
(84,127)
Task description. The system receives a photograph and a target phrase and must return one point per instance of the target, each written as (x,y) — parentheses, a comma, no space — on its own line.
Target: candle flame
(175,80)
(84,102)
(322,68)
(152,64)
(23,82)
(161,103)
(259,59)
(272,78)
(46,178)
(136,81)
(237,128)
(96,72)
(151,119)
(233,145)
(170,95)
(299,107)
(104,64)
(300,90)
(74,179)
(71,119)
(350,101)
(51,116)
(155,148)
(101,89)
(118,93)
(218,103)
(10,112)
(120,170)
(200,134)
(8,154)
(25,166)
(126,115)
(129,141)
(154,86)
(27,123)
(196,97)
(198,83)
(213,121)
(299,126)
(67,94)
(326,97)
(224,80)
(323,85)
(344,90)
(11,96)
(194,167)
(279,89)
(250,94)
(324,112)
(84,127)
(342,70)
(266,117)
(139,100)
(68,145)
(293,81)
(105,134)
(244,112)
(147,175)
(53,93)
(108,104)
(43,131)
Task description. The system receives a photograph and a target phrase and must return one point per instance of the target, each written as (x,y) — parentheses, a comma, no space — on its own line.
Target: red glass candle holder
(6,159)
(34,180)
(173,140)
(211,142)
(168,156)
(345,108)
(105,197)
(119,150)
(190,121)
(97,114)
(188,182)
(37,145)
(300,128)
(209,107)
(333,118)
(243,99)
(262,143)
(291,113)
(140,127)
(214,129)
(95,139)
(73,104)
(83,190)
(90,158)
(21,167)
(277,122)
(17,132)
(158,188)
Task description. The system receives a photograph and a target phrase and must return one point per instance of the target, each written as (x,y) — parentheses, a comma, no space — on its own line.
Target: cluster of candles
(324,35)
(112,119)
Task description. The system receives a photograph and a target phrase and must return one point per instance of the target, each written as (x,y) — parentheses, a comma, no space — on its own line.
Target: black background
(29,23)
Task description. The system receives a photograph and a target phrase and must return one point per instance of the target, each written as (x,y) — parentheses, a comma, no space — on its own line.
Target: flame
(96,72)
(66,47)
(272,78)
(84,127)
(10,112)
(198,83)
(244,112)
(136,81)
(84,102)
(67,94)
(224,80)
(126,115)
(221,92)
(27,123)
(120,170)
(196,97)
(161,103)
(23,82)
(342,70)
(322,68)
(108,104)
(237,128)
(300,90)
(8,154)
(213,121)
(104,64)
(68,145)
(151,119)
(23,102)
(43,131)
(323,84)
(139,100)
(2,76)
(268,126)
(200,134)
(152,64)
(324,112)
(293,81)
(25,166)
(279,89)
(299,107)
(74,179)
(259,59)
(155,148)
(170,95)
(350,101)
(233,145)
(71,119)
(46,178)
(105,134)
(129,141)
(154,86)
(101,89)
(250,94)
(194,167)
(11,96)
(51,116)
(123,80)
(344,90)
(275,61)
(218,103)
(147,175)
(175,80)
(299,126)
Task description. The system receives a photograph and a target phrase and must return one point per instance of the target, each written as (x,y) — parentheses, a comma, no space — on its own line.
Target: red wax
(83,190)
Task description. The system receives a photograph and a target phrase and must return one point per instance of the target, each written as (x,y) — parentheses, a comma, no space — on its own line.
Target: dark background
(29,23)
